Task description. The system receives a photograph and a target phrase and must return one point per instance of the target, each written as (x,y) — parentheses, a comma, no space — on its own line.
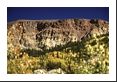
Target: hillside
(67,46)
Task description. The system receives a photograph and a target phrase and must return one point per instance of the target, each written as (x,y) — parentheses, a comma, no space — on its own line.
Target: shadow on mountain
(74,47)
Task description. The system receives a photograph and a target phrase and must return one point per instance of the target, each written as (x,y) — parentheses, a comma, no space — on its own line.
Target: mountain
(70,46)
(39,34)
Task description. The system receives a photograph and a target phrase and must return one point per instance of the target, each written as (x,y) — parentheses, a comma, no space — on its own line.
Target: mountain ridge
(49,33)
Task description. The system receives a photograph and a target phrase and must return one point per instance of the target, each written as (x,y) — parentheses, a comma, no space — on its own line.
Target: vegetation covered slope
(90,56)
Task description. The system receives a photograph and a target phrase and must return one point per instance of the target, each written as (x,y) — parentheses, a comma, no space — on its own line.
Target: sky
(40,13)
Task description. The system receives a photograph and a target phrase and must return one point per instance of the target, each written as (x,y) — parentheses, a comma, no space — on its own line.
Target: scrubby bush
(22,65)
(90,56)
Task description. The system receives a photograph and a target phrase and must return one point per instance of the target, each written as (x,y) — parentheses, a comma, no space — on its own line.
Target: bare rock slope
(39,34)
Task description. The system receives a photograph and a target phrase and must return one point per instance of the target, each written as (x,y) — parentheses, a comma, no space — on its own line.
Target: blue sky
(40,13)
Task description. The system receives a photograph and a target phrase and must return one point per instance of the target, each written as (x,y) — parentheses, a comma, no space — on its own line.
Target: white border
(57,3)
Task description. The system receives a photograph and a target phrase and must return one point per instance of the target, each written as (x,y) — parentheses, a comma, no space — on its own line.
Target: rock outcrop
(53,71)
(39,34)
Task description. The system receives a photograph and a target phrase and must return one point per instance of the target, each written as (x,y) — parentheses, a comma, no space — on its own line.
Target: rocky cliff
(39,34)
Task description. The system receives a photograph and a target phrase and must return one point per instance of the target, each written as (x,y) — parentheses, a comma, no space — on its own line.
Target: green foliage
(55,63)
(22,65)
(90,56)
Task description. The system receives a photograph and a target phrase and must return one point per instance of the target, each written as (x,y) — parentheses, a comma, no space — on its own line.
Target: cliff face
(39,34)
